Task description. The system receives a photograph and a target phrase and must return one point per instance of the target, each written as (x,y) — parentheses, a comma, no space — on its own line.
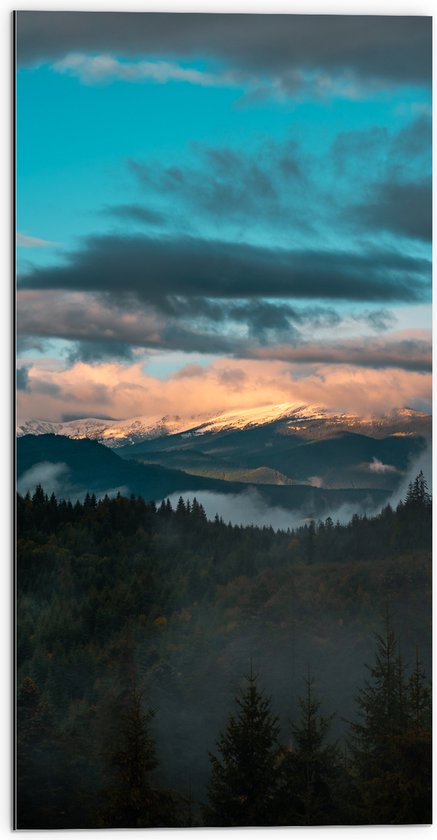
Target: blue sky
(221,192)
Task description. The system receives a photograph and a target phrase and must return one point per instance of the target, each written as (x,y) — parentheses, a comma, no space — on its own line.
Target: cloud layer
(127,390)
(389,49)
(158,269)
(246,208)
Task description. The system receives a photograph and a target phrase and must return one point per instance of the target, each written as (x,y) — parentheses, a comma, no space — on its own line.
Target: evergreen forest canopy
(173,671)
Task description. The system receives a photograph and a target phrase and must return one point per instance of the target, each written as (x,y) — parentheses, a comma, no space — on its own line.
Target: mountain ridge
(293,416)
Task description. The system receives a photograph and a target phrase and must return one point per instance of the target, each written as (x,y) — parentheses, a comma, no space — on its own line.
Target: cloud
(51,476)
(98,329)
(89,350)
(407,353)
(190,372)
(137,213)
(98,324)
(157,269)
(56,478)
(22,378)
(247,508)
(422,462)
(403,208)
(280,186)
(229,184)
(379,319)
(377,466)
(389,49)
(25,241)
(414,139)
(98,69)
(127,390)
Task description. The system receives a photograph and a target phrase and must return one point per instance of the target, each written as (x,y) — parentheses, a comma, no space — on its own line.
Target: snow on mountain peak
(295,416)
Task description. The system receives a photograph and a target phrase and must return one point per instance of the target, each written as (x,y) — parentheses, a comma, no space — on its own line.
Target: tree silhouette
(129,799)
(311,767)
(245,778)
(391,744)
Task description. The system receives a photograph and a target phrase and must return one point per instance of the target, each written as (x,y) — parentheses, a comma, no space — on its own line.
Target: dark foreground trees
(245,779)
(89,571)
(391,741)
(129,800)
(385,778)
(312,776)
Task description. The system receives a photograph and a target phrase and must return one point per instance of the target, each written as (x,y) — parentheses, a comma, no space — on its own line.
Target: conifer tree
(130,797)
(180,508)
(417,493)
(311,768)
(416,750)
(38,754)
(390,745)
(245,777)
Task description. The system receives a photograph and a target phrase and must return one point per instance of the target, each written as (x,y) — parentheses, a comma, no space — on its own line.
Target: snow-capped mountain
(112,433)
(308,420)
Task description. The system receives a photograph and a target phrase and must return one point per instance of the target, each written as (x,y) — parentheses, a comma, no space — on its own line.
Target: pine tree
(418,491)
(180,508)
(311,768)
(130,797)
(415,514)
(245,778)
(415,753)
(390,746)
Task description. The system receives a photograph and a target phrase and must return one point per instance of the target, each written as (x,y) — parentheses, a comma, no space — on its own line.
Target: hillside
(115,591)
(73,467)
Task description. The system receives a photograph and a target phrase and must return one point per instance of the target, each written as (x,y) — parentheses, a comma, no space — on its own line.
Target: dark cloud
(352,147)
(402,208)
(273,339)
(189,339)
(414,139)
(99,328)
(28,343)
(89,350)
(136,213)
(263,318)
(379,319)
(393,49)
(157,269)
(23,379)
(49,388)
(67,418)
(406,354)
(225,184)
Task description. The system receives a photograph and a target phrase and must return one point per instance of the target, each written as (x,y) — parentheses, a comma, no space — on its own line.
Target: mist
(249,508)
(246,508)
(422,463)
(52,477)
(55,478)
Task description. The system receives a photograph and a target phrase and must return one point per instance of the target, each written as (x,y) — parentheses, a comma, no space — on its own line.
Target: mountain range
(294,458)
(308,420)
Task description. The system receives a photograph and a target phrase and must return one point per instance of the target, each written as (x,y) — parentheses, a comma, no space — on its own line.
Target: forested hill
(118,599)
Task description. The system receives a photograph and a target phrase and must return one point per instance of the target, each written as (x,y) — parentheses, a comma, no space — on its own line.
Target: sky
(222,211)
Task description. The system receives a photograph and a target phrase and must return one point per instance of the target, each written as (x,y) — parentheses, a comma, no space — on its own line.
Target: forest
(175,671)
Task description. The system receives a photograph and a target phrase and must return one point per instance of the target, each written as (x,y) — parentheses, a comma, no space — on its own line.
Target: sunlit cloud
(98,69)
(127,390)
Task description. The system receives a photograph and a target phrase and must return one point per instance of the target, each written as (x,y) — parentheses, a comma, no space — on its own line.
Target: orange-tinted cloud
(121,391)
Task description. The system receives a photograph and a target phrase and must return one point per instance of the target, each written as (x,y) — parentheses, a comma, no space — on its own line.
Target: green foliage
(312,772)
(130,797)
(193,596)
(391,743)
(245,778)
